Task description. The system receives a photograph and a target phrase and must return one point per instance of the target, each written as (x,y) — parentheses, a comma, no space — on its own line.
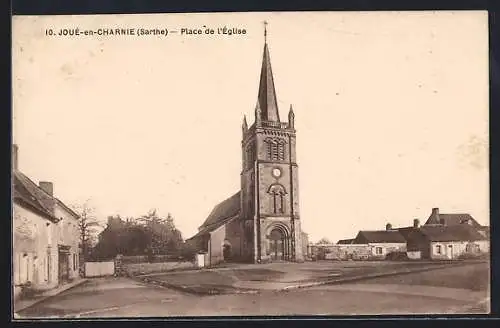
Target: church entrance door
(278,245)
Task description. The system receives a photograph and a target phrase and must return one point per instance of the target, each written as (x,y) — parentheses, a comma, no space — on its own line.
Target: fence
(99,269)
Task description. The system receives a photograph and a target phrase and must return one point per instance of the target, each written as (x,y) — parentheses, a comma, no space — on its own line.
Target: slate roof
(485,231)
(405,231)
(222,213)
(216,225)
(460,232)
(27,193)
(452,219)
(380,236)
(66,208)
(345,241)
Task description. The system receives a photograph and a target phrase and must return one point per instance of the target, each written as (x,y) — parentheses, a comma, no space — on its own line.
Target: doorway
(278,245)
(450,252)
(226,250)
(63,263)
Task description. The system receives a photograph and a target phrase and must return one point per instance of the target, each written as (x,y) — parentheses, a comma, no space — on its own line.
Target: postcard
(250,164)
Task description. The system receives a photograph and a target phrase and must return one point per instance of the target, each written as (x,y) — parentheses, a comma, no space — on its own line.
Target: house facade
(45,235)
(443,236)
(446,237)
(441,242)
(381,242)
(261,222)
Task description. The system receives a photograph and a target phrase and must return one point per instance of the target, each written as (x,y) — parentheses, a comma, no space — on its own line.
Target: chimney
(388,226)
(14,158)
(434,218)
(48,187)
(416,223)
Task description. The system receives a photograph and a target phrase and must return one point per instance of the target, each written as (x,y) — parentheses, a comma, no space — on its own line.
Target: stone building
(381,242)
(446,236)
(45,235)
(261,222)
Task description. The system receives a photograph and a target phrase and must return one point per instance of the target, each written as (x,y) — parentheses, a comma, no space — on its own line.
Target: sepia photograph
(250,164)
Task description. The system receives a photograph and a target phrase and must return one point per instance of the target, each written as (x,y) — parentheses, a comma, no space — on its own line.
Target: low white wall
(414,255)
(98,269)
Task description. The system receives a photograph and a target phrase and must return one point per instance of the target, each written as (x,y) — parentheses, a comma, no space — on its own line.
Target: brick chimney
(416,223)
(388,226)
(15,166)
(48,187)
(435,216)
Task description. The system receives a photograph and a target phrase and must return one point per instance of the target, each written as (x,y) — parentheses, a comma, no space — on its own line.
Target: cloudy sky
(391,113)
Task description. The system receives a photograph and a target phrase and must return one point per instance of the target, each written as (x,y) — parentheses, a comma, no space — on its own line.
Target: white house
(45,235)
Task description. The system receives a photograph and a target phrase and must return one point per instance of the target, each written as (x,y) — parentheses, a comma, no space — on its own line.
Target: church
(261,222)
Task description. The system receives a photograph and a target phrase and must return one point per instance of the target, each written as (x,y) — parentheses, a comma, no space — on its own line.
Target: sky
(391,112)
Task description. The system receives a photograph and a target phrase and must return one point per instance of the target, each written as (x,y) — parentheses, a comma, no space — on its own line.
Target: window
(250,156)
(439,249)
(74,262)
(378,250)
(49,233)
(275,149)
(277,193)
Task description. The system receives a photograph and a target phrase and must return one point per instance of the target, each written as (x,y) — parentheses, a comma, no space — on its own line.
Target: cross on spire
(265,31)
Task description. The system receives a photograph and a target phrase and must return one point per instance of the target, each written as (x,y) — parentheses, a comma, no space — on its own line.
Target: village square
(250,256)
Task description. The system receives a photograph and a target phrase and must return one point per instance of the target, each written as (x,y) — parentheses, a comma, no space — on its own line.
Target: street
(124,297)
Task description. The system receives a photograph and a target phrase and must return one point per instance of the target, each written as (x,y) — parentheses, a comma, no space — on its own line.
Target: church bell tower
(269,178)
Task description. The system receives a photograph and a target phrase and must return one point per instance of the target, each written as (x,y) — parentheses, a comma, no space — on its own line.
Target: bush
(396,256)
(188,252)
(474,256)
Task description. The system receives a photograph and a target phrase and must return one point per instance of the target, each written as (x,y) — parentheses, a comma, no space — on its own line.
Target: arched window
(250,158)
(275,149)
(277,193)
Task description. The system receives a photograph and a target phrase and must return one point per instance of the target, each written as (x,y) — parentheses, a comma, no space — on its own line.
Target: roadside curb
(194,291)
(150,280)
(366,277)
(44,298)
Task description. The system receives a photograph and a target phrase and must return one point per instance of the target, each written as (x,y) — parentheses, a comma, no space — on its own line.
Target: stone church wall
(215,245)
(266,180)
(299,250)
(233,236)
(247,246)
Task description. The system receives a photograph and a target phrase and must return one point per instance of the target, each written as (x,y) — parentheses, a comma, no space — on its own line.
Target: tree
(163,237)
(324,240)
(149,234)
(87,226)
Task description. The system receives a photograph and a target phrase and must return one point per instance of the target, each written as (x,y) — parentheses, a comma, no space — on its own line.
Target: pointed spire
(291,117)
(267,93)
(244,126)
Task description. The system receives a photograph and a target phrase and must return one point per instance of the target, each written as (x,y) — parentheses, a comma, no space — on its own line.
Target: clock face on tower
(276,172)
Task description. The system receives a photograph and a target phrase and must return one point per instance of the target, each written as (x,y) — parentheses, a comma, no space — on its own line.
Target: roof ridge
(33,200)
(28,180)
